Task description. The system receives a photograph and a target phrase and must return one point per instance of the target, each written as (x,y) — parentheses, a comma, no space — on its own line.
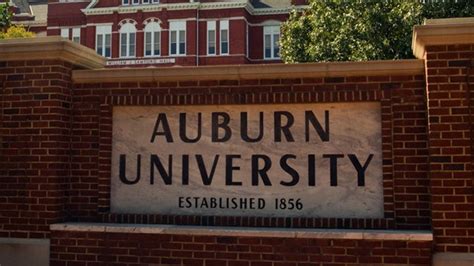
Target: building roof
(24,7)
(256,3)
(30,12)
(40,11)
(270,3)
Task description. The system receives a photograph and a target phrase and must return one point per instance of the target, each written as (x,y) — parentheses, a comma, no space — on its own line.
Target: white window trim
(123,3)
(135,2)
(177,26)
(155,27)
(211,25)
(76,32)
(270,30)
(224,25)
(124,30)
(103,30)
(65,33)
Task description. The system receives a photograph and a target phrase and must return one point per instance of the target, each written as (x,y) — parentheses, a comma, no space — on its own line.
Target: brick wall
(78,189)
(450,93)
(55,156)
(35,104)
(404,141)
(94,248)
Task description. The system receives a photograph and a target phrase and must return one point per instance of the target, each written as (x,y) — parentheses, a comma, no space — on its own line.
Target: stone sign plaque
(293,160)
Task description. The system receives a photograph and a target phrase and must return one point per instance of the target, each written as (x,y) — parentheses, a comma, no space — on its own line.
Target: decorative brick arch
(152,19)
(125,21)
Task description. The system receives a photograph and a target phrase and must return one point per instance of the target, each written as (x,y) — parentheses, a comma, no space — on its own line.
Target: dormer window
(138,2)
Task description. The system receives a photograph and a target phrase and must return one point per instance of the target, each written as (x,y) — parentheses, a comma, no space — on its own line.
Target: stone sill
(252,71)
(47,48)
(23,241)
(402,235)
(451,31)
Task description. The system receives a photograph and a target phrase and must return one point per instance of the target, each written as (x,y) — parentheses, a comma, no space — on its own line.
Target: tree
(359,30)
(9,31)
(448,9)
(5,16)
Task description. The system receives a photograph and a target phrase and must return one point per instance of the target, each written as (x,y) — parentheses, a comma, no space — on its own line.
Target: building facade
(173,32)
(66,123)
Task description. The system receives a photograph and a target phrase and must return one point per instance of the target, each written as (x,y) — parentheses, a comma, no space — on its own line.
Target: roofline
(90,10)
(34,23)
(250,71)
(52,47)
(442,32)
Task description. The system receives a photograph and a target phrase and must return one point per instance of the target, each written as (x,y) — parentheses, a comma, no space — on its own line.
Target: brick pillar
(35,124)
(448,49)
(36,102)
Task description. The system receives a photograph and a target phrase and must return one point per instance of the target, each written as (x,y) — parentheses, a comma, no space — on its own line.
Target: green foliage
(359,30)
(7,30)
(448,9)
(5,16)
(16,32)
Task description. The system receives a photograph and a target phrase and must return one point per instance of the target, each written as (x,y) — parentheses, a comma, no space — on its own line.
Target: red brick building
(173,32)
(58,130)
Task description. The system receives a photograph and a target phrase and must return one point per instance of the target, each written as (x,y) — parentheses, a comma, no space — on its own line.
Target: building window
(128,33)
(178,38)
(76,35)
(145,1)
(103,40)
(135,2)
(125,2)
(65,33)
(271,42)
(156,1)
(224,35)
(152,39)
(211,37)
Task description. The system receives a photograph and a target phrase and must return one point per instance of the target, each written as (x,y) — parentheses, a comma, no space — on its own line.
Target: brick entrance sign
(305,164)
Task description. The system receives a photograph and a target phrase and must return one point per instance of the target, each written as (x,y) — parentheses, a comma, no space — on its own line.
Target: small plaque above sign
(295,160)
(145,61)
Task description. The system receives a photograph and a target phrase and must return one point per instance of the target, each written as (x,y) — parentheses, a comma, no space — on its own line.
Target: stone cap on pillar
(442,32)
(52,47)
